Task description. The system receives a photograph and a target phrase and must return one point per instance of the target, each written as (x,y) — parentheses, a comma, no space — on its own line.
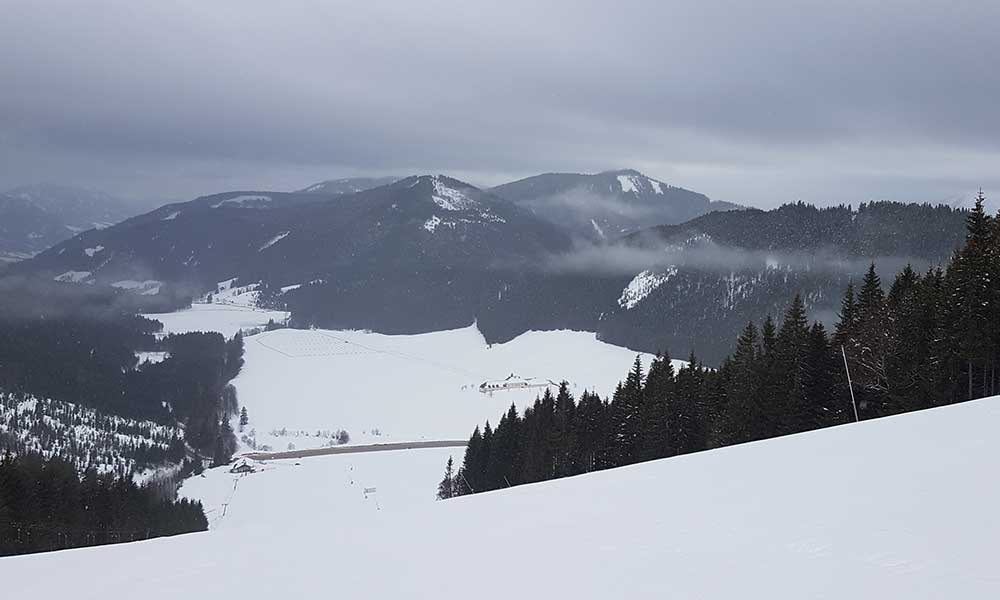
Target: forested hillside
(73,386)
(86,438)
(692,287)
(46,504)
(931,340)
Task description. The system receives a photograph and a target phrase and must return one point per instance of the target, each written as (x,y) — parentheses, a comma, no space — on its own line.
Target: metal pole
(850,386)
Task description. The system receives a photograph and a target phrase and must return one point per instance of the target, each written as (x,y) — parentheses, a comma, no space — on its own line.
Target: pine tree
(591,435)
(970,283)
(656,409)
(470,474)
(506,456)
(745,419)
(562,432)
(789,408)
(486,477)
(869,348)
(847,319)
(687,426)
(871,297)
(827,401)
(244,419)
(626,410)
(446,489)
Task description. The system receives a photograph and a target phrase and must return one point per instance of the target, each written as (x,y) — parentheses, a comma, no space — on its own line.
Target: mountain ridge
(602,206)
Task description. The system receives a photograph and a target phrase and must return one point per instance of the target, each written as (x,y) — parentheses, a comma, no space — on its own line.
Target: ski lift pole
(850,386)
(467,483)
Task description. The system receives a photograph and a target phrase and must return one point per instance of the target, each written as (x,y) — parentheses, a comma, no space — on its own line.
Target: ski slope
(903,507)
(383,388)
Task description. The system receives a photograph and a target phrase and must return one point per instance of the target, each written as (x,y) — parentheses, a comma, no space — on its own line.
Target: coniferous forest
(78,345)
(930,339)
(47,505)
(81,412)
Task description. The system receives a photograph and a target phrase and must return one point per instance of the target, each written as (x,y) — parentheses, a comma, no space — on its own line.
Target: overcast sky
(758,102)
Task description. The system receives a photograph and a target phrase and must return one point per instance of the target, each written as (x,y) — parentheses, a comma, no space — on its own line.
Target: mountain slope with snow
(900,507)
(286,239)
(606,205)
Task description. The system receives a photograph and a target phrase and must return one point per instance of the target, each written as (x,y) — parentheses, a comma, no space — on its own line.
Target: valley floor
(389,388)
(383,388)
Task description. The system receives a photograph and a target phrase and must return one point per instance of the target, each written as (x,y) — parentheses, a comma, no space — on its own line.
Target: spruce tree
(562,432)
(847,319)
(690,413)
(591,436)
(870,347)
(745,419)
(656,409)
(626,409)
(789,408)
(970,304)
(470,474)
(485,467)
(447,485)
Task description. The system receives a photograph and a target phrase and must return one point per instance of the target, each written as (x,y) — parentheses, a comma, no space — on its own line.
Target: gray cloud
(706,255)
(758,103)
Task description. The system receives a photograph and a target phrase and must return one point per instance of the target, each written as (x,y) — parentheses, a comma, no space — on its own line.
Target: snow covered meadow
(407,387)
(227,319)
(386,388)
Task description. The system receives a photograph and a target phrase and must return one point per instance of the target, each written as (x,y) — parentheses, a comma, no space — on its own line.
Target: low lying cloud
(706,255)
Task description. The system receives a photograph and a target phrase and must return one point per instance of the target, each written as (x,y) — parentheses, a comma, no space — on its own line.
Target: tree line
(45,504)
(933,339)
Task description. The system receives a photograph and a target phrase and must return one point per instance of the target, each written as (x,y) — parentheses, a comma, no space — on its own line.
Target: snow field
(226,319)
(902,507)
(283,491)
(383,388)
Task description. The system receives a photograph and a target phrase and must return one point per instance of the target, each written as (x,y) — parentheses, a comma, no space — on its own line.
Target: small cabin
(243,466)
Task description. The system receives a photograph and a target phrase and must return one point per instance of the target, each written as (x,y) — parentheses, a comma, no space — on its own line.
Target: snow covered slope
(902,507)
(406,387)
(319,486)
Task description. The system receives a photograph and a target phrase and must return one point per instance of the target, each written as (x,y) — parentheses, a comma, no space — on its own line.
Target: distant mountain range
(607,205)
(413,255)
(33,218)
(430,252)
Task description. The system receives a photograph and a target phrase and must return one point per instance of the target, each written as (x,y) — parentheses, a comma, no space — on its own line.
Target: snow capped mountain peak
(448,194)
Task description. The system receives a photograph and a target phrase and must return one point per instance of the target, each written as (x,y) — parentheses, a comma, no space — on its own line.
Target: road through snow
(307,452)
